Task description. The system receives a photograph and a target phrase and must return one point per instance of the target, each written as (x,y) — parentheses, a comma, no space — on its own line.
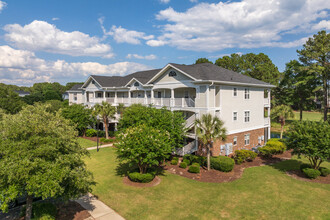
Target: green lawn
(312,116)
(86,143)
(262,193)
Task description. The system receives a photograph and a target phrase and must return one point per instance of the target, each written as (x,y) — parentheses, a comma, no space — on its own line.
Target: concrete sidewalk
(97,209)
(102,146)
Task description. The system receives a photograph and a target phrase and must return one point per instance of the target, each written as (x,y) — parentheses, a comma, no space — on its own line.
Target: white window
(246,116)
(235,116)
(235,92)
(99,95)
(75,96)
(247,94)
(247,139)
(235,141)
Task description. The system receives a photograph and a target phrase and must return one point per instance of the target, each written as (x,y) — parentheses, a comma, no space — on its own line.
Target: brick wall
(254,135)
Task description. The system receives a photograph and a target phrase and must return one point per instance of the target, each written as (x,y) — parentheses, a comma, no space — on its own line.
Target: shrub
(194,169)
(104,140)
(195,164)
(222,163)
(112,133)
(273,146)
(304,165)
(183,165)
(201,160)
(311,173)
(101,133)
(91,133)
(175,158)
(174,162)
(188,157)
(141,177)
(324,171)
(244,155)
(186,161)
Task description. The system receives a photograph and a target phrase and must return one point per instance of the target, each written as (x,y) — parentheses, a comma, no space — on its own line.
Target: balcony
(267,121)
(266,101)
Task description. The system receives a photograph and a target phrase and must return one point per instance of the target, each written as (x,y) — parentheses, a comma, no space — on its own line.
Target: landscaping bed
(215,176)
(299,175)
(72,211)
(154,182)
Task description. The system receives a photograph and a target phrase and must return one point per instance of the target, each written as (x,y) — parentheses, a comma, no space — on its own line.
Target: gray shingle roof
(208,71)
(76,87)
(202,71)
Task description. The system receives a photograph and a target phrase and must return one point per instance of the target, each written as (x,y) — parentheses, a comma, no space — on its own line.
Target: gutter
(233,83)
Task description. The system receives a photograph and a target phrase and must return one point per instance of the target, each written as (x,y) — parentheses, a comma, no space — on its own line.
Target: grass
(86,143)
(312,116)
(262,193)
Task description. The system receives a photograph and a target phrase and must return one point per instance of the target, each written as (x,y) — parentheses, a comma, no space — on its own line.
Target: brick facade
(255,136)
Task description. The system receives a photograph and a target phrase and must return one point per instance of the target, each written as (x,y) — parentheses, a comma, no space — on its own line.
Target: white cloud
(322,25)
(244,24)
(193,1)
(22,67)
(122,35)
(55,19)
(137,56)
(42,36)
(165,1)
(2,5)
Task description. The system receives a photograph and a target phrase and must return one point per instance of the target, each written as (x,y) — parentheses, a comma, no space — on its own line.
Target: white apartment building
(243,103)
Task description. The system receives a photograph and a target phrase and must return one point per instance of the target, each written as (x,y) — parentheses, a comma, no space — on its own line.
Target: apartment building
(243,103)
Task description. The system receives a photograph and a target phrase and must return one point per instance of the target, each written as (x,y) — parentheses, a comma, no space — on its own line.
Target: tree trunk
(301,114)
(208,157)
(28,212)
(106,128)
(325,98)
(282,128)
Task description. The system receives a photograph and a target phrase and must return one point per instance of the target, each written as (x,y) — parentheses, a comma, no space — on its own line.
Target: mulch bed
(154,182)
(215,176)
(299,175)
(95,138)
(72,211)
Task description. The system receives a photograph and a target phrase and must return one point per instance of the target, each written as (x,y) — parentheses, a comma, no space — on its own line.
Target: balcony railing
(266,101)
(267,121)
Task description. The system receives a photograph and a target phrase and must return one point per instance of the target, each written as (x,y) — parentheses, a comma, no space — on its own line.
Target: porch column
(172,98)
(152,96)
(145,97)
(104,99)
(129,97)
(85,95)
(115,101)
(94,96)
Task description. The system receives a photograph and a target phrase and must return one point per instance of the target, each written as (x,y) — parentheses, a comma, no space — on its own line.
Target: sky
(68,40)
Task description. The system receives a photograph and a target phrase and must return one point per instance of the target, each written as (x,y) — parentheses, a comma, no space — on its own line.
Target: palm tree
(209,129)
(282,113)
(105,111)
(120,109)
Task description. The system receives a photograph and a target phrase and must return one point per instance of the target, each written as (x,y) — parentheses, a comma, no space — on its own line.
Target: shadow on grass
(287,165)
(124,168)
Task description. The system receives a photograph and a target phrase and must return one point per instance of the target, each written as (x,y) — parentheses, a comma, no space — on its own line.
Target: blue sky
(63,41)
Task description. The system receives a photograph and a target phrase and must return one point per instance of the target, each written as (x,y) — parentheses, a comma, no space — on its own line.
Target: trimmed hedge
(186,161)
(324,171)
(183,165)
(175,158)
(244,155)
(311,173)
(194,169)
(273,146)
(174,162)
(222,163)
(194,159)
(141,177)
(195,164)
(90,132)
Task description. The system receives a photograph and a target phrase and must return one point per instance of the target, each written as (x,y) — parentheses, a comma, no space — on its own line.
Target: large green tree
(143,146)
(40,157)
(316,55)
(297,88)
(160,119)
(10,102)
(209,129)
(281,113)
(202,60)
(105,111)
(258,66)
(310,139)
(80,116)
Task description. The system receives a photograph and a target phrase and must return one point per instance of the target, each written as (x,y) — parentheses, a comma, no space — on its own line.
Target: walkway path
(102,146)
(97,209)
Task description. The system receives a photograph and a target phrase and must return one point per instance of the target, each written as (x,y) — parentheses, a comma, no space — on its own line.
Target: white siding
(229,104)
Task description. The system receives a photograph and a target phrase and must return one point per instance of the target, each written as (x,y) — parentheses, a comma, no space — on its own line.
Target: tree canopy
(202,60)
(10,101)
(258,66)
(105,111)
(316,55)
(40,157)
(310,139)
(281,113)
(160,119)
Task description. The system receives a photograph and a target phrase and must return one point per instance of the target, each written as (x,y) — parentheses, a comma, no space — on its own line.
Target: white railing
(266,101)
(187,149)
(190,121)
(137,100)
(184,102)
(110,100)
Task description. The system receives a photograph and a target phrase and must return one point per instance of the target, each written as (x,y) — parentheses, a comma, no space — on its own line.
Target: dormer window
(136,84)
(172,73)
